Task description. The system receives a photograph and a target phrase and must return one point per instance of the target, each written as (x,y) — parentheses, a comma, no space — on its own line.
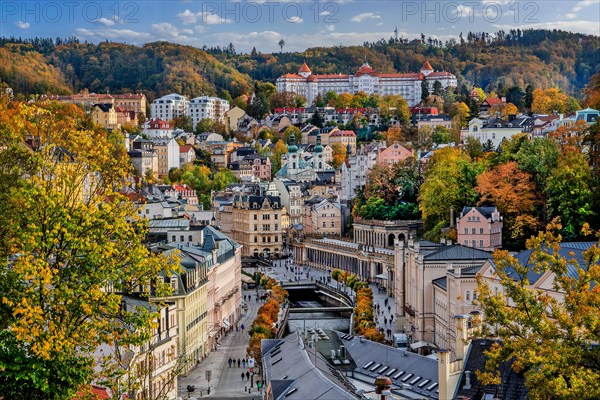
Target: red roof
(98,393)
(426,67)
(410,75)
(293,76)
(350,110)
(365,70)
(440,73)
(185,148)
(281,110)
(330,76)
(304,68)
(492,101)
(343,133)
(158,123)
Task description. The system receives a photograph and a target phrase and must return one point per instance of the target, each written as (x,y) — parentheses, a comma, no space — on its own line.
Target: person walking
(390,308)
(243,376)
(385,320)
(239,362)
(247,375)
(229,361)
(243,363)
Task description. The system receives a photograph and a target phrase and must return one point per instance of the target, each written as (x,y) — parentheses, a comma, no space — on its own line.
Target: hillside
(494,62)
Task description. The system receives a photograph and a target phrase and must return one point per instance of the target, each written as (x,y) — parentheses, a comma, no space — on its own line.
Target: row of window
(473,231)
(267,239)
(474,243)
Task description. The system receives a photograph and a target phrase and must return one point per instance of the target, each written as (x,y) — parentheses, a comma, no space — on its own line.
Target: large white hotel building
(310,85)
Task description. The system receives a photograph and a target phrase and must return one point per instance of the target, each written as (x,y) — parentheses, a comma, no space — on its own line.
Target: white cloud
(105,21)
(368,15)
(324,13)
(379,24)
(188,17)
(330,28)
(571,15)
(167,30)
(582,4)
(122,34)
(22,24)
(586,27)
(295,20)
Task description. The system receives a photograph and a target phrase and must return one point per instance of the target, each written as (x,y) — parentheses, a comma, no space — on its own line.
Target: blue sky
(300,23)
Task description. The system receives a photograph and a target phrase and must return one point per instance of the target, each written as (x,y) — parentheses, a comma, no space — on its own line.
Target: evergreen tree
(437,88)
(317,120)
(528,99)
(424,90)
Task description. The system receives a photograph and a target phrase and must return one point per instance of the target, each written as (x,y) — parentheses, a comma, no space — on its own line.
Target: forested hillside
(495,62)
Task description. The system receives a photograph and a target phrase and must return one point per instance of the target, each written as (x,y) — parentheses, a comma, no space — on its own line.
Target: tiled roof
(485,211)
(343,133)
(426,66)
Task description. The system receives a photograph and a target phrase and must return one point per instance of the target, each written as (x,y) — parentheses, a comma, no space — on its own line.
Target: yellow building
(257,224)
(105,115)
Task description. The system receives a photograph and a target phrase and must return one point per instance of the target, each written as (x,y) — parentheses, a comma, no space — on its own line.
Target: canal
(313,308)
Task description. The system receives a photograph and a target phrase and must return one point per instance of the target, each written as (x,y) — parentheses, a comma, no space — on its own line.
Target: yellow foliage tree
(72,247)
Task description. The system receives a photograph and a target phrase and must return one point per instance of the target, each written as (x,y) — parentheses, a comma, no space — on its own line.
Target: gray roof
(294,374)
(441,282)
(164,225)
(485,211)
(457,252)
(409,366)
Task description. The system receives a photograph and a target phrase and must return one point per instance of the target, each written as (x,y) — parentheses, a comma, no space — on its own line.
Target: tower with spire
(426,69)
(304,71)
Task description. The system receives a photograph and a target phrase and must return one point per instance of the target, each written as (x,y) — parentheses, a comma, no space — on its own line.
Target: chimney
(444,374)
(461,336)
(467,380)
(451,217)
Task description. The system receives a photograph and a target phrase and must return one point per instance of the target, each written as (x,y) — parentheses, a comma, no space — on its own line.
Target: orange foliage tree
(515,195)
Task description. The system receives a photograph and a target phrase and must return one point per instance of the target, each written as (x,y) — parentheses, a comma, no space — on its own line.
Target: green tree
(437,88)
(317,120)
(441,135)
(424,89)
(550,337)
(204,125)
(67,238)
(569,191)
(449,181)
(292,130)
(528,99)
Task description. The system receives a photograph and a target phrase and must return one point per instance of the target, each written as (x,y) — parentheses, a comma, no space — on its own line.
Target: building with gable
(365,79)
(347,139)
(496,129)
(393,154)
(256,224)
(157,128)
(480,228)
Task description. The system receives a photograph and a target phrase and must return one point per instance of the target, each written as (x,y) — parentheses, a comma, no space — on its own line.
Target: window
(255,239)
(324,224)
(189,238)
(466,231)
(473,231)
(181,238)
(474,243)
(276,227)
(255,228)
(481,243)
(481,231)
(333,224)
(255,217)
(275,216)
(468,296)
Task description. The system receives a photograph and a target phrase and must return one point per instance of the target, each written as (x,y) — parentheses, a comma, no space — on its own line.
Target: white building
(212,108)
(496,129)
(157,128)
(355,169)
(310,85)
(169,106)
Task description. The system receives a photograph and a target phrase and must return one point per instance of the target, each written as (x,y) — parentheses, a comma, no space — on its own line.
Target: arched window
(468,295)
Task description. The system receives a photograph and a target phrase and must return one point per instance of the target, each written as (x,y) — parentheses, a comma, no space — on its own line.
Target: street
(226,382)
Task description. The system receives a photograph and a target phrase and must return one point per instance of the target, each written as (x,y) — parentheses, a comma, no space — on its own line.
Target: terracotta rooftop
(426,66)
(304,68)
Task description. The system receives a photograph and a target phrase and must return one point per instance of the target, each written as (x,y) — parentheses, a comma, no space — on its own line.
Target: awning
(226,324)
(381,276)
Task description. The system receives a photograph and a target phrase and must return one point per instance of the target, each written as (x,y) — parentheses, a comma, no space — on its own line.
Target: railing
(376,222)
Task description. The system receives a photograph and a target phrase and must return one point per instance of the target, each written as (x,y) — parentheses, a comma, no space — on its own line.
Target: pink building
(261,166)
(480,227)
(393,154)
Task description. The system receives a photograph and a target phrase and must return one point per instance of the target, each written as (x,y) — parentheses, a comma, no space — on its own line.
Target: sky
(301,24)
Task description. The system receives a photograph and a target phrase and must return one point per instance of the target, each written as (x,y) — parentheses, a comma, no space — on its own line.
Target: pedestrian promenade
(225,381)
